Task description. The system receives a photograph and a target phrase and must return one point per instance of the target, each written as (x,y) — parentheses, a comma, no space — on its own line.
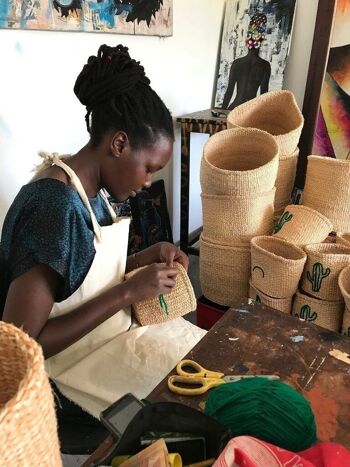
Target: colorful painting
(254,49)
(332,134)
(151,17)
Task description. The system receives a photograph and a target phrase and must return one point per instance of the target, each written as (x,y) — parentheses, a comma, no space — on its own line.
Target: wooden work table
(254,339)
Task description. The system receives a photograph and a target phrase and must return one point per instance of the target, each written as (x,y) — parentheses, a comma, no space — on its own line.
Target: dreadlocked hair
(117,95)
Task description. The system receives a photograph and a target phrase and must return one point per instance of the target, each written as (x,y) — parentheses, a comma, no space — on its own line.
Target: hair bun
(109,74)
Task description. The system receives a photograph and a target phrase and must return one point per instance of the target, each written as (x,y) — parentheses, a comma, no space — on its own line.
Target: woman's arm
(31,297)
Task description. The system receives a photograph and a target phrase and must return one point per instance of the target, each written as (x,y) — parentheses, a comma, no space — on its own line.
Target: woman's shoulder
(48,190)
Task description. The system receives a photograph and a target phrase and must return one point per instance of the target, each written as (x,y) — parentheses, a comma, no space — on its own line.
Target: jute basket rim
(301,207)
(284,157)
(249,132)
(230,246)
(268,297)
(326,160)
(343,274)
(316,300)
(239,196)
(326,249)
(298,119)
(256,240)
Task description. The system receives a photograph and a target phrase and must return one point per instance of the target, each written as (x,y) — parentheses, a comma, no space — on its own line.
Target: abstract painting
(149,17)
(254,49)
(332,133)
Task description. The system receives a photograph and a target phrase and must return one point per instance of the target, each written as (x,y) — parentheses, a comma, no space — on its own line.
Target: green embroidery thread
(286,217)
(163,304)
(317,276)
(259,268)
(307,314)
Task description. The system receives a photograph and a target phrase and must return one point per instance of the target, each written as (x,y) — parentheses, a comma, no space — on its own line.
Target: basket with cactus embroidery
(224,271)
(180,301)
(327,189)
(322,269)
(344,285)
(239,162)
(280,304)
(343,239)
(275,112)
(28,427)
(328,314)
(302,225)
(276,266)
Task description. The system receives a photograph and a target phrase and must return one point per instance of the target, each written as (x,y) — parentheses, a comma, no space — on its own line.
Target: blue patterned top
(48,223)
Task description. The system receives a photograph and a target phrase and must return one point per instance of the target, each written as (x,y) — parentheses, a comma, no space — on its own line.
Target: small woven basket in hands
(343,239)
(344,285)
(345,329)
(224,271)
(276,112)
(285,180)
(28,427)
(280,304)
(324,313)
(327,189)
(302,225)
(180,301)
(239,162)
(277,266)
(322,269)
(227,217)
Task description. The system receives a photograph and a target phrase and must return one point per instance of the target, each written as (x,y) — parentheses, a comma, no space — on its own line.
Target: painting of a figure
(332,135)
(151,17)
(254,49)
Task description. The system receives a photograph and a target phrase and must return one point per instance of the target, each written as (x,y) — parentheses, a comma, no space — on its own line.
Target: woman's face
(133,169)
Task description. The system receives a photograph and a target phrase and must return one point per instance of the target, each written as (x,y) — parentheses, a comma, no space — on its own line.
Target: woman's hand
(151,281)
(169,253)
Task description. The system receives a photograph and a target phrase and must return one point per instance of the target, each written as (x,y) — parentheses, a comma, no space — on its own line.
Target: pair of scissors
(200,380)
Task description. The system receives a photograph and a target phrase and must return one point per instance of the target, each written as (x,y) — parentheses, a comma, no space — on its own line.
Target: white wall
(38,109)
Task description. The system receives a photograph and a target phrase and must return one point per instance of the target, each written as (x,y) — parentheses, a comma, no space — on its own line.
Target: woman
(65,251)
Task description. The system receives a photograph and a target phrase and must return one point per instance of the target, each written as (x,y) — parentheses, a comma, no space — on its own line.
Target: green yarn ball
(269,410)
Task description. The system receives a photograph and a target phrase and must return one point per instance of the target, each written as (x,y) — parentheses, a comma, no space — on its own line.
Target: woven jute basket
(28,427)
(224,272)
(327,189)
(280,304)
(227,217)
(180,301)
(344,285)
(327,314)
(322,269)
(331,239)
(276,112)
(345,329)
(239,161)
(285,180)
(302,225)
(277,266)
(343,239)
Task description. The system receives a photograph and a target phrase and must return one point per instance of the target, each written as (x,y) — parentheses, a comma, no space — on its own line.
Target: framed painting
(254,49)
(151,17)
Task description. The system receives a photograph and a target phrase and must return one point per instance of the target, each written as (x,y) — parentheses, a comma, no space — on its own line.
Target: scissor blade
(232,378)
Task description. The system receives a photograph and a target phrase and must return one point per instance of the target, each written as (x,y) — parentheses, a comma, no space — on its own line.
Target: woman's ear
(118,143)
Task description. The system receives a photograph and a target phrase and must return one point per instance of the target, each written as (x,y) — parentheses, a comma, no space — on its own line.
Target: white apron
(116,357)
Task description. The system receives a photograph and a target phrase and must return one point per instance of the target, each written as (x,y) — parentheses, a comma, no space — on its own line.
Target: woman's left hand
(169,253)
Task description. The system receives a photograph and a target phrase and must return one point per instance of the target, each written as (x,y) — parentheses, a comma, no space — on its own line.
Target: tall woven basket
(285,180)
(280,304)
(327,314)
(343,239)
(344,284)
(28,427)
(277,266)
(276,112)
(322,269)
(239,162)
(302,225)
(327,189)
(180,301)
(345,329)
(224,271)
(227,217)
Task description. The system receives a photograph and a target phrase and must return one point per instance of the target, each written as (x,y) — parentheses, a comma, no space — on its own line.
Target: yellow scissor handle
(205,384)
(199,370)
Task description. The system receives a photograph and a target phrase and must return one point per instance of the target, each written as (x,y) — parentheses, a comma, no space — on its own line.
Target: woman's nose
(148,181)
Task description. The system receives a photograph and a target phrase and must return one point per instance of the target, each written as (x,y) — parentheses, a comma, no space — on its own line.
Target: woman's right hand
(152,281)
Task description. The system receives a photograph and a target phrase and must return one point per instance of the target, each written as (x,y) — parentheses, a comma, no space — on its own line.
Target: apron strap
(53,159)
(109,207)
